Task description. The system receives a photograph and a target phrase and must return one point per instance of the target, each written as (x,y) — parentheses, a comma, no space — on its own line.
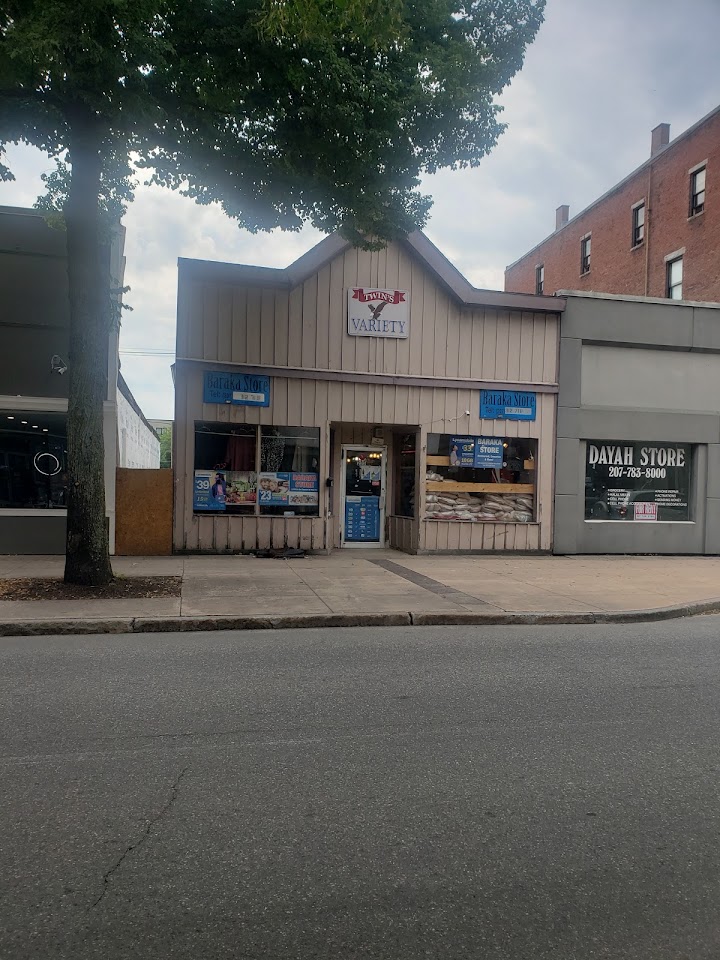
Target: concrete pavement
(494,793)
(376,586)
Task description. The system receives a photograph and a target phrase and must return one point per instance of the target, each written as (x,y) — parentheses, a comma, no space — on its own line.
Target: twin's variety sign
(374,312)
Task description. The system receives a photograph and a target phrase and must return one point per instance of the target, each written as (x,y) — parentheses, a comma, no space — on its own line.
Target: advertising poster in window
(481,453)
(489,453)
(219,490)
(304,490)
(640,482)
(209,490)
(288,489)
(241,488)
(462,451)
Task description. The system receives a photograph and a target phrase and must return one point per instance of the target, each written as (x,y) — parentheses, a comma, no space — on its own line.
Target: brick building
(656,233)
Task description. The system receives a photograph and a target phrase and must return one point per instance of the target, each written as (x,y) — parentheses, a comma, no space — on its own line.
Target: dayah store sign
(638,481)
(378,313)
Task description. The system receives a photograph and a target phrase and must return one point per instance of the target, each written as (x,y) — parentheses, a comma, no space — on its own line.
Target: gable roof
(417,245)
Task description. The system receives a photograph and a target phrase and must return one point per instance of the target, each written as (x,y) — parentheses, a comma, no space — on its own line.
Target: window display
(637,481)
(480,479)
(404,459)
(246,469)
(33,460)
(289,470)
(225,475)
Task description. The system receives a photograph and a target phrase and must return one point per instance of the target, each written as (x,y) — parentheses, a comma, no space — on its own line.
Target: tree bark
(87,555)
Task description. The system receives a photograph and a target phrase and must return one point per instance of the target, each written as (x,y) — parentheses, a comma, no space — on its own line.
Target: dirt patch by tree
(121,588)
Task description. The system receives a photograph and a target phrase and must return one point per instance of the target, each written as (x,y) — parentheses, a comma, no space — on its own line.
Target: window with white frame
(697,191)
(638,224)
(585,244)
(540,279)
(674,278)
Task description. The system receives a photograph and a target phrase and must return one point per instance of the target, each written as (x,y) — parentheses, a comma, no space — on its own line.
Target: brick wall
(617,267)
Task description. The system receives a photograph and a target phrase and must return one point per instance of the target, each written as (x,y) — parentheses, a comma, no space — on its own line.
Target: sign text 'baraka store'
(378,313)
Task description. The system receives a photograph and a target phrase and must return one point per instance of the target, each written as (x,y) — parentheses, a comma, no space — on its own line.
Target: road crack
(143,837)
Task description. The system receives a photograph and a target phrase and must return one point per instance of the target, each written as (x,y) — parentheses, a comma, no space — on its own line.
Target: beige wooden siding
(307,326)
(403,534)
(352,409)
(446,535)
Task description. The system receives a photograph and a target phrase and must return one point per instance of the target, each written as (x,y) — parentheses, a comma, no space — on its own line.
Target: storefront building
(362,399)
(34,360)
(638,448)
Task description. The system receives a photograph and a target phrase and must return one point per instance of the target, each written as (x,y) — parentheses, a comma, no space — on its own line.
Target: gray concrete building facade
(638,427)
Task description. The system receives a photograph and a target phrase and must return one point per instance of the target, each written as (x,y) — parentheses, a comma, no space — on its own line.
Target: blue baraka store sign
(243,389)
(478,452)
(507,405)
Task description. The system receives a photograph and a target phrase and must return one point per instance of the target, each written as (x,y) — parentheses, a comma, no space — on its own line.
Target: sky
(599,76)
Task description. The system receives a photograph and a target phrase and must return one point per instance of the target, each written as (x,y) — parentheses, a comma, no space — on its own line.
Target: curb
(63,627)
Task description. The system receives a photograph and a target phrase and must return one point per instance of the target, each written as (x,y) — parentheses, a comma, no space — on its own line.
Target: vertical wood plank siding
(307,327)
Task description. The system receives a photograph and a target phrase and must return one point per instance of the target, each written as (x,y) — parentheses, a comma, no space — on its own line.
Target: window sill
(638,246)
(213,514)
(586,274)
(516,523)
(696,216)
(654,523)
(33,511)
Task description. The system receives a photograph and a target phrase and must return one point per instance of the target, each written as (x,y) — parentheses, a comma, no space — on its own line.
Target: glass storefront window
(480,479)
(33,460)
(225,478)
(637,481)
(289,479)
(247,469)
(404,454)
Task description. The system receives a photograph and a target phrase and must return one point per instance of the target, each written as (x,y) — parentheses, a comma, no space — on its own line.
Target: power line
(138,352)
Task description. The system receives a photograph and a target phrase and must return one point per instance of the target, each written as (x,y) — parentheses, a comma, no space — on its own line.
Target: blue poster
(507,405)
(243,389)
(478,452)
(362,519)
(209,490)
(489,452)
(289,489)
(462,451)
(274,489)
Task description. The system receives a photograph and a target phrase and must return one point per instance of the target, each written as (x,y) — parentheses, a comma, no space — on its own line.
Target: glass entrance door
(364,496)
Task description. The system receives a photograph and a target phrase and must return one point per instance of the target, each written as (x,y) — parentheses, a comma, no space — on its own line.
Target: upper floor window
(675,278)
(697,191)
(638,224)
(585,254)
(540,279)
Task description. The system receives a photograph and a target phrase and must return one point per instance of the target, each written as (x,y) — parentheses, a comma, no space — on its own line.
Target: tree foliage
(320,110)
(166,449)
(283,111)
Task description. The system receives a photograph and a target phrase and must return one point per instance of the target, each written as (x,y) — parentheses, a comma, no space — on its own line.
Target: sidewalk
(375,587)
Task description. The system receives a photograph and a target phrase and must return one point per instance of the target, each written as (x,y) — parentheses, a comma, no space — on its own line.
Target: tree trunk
(87,556)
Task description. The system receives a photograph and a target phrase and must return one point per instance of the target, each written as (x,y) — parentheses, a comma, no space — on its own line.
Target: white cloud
(597,79)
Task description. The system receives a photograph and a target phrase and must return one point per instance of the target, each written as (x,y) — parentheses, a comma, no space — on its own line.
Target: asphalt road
(407,793)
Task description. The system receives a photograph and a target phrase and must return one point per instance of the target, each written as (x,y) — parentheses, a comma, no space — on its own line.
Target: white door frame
(368,448)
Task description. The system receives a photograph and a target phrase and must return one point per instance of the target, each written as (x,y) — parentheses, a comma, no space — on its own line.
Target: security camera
(467,413)
(57,364)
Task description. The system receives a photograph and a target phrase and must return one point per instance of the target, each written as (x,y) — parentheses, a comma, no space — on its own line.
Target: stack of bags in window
(500,507)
